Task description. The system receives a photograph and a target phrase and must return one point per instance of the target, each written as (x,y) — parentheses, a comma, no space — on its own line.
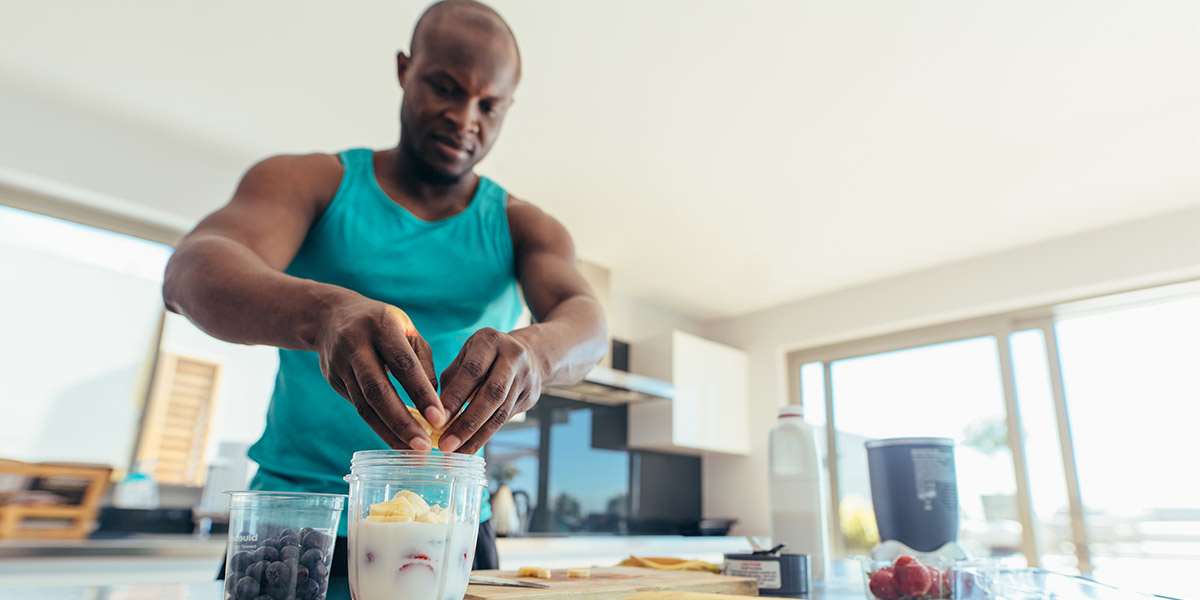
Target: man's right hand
(358,343)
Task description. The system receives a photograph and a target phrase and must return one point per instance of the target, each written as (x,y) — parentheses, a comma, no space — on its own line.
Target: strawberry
(883,584)
(936,586)
(903,560)
(913,579)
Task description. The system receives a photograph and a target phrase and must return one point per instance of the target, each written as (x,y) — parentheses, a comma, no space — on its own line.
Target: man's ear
(403,61)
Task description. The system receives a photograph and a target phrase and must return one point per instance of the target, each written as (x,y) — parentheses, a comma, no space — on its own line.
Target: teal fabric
(453,277)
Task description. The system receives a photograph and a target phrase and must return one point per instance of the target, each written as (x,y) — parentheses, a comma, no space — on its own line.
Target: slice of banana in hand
(434,434)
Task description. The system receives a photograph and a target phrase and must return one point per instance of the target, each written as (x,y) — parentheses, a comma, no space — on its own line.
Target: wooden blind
(178,419)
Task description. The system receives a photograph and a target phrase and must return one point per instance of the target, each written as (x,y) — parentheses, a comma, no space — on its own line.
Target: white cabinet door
(708,413)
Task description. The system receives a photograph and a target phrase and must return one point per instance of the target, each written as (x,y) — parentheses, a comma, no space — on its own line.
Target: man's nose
(465,116)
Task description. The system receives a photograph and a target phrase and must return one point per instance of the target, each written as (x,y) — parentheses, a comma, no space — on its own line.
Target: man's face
(457,88)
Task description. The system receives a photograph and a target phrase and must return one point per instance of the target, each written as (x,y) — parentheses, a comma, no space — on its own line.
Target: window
(81,313)
(572,463)
(1104,395)
(1132,383)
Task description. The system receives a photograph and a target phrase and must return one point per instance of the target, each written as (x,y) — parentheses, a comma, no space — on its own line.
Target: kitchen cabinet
(710,410)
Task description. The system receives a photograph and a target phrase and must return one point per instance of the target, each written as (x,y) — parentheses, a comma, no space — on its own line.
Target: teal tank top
(453,277)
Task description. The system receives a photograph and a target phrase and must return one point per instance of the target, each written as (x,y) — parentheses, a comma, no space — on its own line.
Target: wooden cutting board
(612,582)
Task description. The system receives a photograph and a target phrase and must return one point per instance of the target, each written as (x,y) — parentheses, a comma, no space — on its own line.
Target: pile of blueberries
(283,565)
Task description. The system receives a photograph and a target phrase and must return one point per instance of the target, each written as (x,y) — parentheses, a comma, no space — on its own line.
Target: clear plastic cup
(417,552)
(280,544)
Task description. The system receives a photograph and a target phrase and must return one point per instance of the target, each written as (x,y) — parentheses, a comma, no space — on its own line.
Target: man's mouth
(453,146)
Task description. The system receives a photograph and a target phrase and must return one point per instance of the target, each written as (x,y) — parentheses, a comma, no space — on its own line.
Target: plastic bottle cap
(791,410)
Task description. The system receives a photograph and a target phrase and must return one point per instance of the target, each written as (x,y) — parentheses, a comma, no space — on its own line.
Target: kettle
(509,519)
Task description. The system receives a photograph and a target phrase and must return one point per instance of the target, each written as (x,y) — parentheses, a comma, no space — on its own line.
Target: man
(400,261)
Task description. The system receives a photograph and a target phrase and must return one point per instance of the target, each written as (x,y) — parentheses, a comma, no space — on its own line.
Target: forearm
(232,294)
(569,341)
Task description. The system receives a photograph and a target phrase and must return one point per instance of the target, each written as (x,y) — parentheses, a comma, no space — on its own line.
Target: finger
(368,415)
(402,360)
(503,413)
(386,404)
(335,380)
(526,400)
(425,357)
(338,386)
(467,371)
(491,402)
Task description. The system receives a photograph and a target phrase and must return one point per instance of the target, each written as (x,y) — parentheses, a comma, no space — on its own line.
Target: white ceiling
(720,157)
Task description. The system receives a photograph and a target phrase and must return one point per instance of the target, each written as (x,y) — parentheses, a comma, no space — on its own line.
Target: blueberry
(265,597)
(309,590)
(311,557)
(289,552)
(286,532)
(247,588)
(289,540)
(291,563)
(271,543)
(318,571)
(238,562)
(301,574)
(305,531)
(266,553)
(277,573)
(314,539)
(256,570)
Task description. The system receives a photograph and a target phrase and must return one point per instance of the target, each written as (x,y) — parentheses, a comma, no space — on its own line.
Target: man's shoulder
(316,174)
(522,213)
(315,163)
(529,224)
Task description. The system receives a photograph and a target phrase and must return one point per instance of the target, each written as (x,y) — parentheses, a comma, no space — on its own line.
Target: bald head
(456,18)
(458,82)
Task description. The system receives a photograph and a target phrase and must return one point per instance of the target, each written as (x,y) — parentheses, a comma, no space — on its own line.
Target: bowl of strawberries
(908,578)
(896,572)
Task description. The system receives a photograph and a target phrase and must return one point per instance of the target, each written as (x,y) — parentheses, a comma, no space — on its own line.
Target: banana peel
(670,564)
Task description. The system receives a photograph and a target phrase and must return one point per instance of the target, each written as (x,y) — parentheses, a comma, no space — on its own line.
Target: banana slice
(540,572)
(434,434)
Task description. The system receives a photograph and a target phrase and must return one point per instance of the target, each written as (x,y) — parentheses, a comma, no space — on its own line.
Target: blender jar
(280,544)
(413,521)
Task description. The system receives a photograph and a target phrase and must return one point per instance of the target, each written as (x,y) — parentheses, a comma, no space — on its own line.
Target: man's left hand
(500,375)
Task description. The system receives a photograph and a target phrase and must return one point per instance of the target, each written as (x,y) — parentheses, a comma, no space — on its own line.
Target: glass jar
(280,544)
(413,523)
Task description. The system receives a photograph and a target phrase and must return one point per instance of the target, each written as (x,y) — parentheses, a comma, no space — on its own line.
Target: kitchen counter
(182,546)
(189,559)
(845,584)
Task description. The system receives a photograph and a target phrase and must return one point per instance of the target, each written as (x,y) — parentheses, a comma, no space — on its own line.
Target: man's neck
(411,185)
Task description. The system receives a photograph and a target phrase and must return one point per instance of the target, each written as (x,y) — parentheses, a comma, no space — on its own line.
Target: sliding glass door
(1074,429)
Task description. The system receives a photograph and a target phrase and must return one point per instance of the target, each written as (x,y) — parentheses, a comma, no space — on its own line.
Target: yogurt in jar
(406,549)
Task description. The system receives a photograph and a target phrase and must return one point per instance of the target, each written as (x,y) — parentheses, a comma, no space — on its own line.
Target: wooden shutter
(178,419)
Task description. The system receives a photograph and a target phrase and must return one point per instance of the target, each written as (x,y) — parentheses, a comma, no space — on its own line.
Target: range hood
(605,385)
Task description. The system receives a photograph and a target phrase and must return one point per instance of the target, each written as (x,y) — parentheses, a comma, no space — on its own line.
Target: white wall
(1159,250)
(633,319)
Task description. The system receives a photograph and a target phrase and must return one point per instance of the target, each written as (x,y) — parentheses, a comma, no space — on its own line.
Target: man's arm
(227,277)
(505,372)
